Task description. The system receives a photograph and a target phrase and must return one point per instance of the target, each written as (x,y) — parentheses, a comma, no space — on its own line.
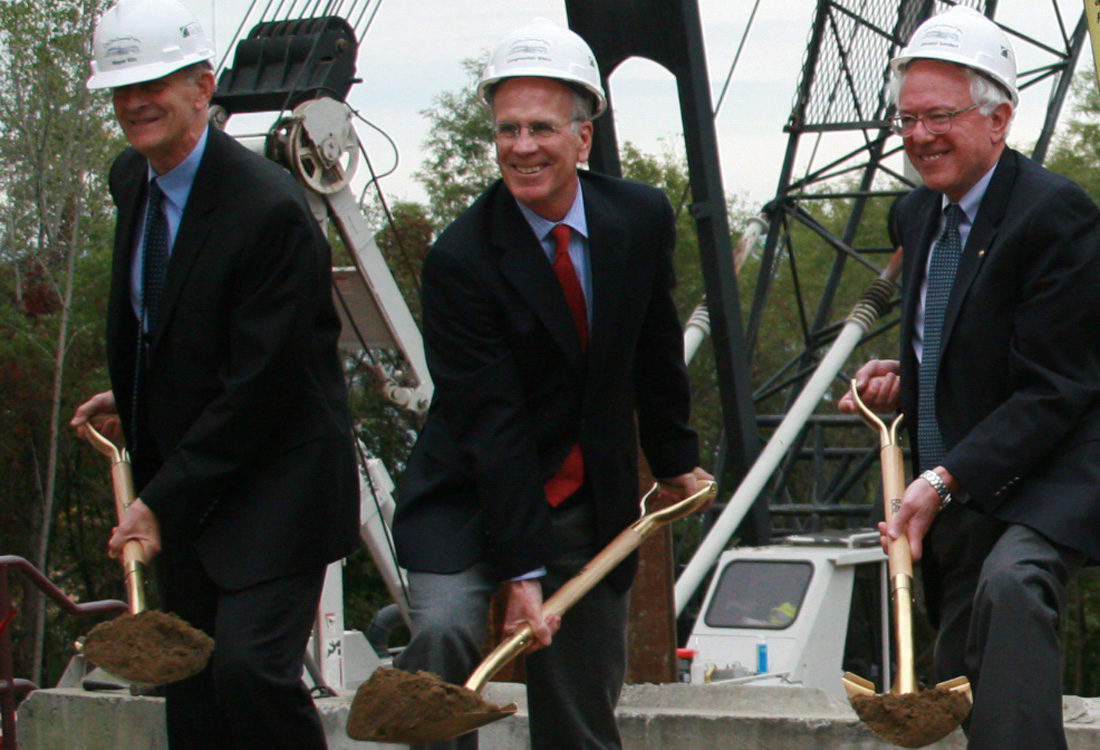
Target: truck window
(759,594)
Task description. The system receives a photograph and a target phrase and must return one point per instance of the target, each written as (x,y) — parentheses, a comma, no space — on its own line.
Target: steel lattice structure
(842,98)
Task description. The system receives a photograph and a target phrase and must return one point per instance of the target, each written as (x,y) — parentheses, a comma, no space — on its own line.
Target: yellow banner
(1092,13)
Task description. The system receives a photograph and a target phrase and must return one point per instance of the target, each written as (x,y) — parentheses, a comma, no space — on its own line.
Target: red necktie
(570,476)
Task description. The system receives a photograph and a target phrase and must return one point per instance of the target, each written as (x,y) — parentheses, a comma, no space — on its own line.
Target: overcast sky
(413,52)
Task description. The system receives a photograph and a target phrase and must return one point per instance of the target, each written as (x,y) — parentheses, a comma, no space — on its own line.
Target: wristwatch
(938,485)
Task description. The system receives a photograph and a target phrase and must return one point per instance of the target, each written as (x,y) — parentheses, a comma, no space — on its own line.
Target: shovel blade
(958,685)
(855,685)
(399,707)
(439,730)
(913,719)
(150,647)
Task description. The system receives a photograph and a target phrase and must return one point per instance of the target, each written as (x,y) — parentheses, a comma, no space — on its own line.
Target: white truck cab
(801,612)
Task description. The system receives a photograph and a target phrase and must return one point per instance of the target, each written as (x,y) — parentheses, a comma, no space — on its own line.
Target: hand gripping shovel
(395,706)
(907,716)
(143,646)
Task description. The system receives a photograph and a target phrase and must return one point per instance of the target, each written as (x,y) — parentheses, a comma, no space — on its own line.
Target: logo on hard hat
(944,36)
(191,29)
(123,50)
(528,49)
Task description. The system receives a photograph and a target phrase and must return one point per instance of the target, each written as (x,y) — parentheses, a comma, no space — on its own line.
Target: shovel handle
(122,484)
(591,574)
(893,487)
(900,563)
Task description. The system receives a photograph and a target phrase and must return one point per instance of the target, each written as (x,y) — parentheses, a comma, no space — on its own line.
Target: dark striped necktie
(154,261)
(941,276)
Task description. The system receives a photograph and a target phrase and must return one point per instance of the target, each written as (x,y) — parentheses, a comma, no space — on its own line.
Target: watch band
(938,485)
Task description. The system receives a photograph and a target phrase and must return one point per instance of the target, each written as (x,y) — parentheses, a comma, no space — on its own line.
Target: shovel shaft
(122,485)
(591,574)
(564,598)
(133,554)
(893,487)
(901,571)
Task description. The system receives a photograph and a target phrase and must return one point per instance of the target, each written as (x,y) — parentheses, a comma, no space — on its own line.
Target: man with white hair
(999,380)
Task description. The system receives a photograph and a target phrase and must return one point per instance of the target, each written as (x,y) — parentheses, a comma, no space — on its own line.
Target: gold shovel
(378,712)
(907,716)
(143,646)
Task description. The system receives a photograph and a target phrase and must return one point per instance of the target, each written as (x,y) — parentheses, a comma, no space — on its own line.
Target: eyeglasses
(540,130)
(936,123)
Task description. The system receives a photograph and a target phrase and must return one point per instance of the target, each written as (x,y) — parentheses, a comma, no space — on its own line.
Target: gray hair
(584,105)
(984,91)
(194,71)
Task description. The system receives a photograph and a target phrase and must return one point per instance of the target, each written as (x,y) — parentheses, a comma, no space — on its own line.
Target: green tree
(1076,154)
(1076,149)
(461,157)
(56,145)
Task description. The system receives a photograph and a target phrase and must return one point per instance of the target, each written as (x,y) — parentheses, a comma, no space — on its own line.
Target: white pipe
(859,322)
(697,328)
(696,331)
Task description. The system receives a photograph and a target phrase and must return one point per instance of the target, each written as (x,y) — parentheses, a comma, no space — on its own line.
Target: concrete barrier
(651,717)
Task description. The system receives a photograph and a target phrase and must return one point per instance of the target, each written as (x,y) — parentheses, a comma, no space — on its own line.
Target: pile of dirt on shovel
(393,701)
(913,719)
(150,647)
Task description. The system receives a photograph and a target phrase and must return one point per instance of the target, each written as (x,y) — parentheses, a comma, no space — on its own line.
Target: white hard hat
(143,40)
(964,36)
(542,49)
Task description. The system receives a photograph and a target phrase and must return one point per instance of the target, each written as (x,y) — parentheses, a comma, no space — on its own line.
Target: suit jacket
(242,438)
(1019,378)
(514,393)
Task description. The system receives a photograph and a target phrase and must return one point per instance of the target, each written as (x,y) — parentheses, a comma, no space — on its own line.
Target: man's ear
(1000,119)
(207,84)
(585,134)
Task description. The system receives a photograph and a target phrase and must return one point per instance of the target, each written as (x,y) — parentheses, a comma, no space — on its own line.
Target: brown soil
(149,647)
(913,719)
(393,702)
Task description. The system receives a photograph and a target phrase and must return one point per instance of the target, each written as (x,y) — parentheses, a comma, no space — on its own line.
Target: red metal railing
(9,686)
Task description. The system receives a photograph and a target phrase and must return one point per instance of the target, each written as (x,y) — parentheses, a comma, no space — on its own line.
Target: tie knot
(562,234)
(156,195)
(954,215)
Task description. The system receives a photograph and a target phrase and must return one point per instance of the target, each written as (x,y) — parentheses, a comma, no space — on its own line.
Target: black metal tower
(830,220)
(827,237)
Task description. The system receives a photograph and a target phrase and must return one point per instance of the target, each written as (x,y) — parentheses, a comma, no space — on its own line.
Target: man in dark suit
(999,380)
(548,324)
(230,389)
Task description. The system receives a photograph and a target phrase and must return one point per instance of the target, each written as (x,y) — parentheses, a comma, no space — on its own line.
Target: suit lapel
(524,264)
(194,227)
(915,259)
(607,259)
(129,194)
(982,233)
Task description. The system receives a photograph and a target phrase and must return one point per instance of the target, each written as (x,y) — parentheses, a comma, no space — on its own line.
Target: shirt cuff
(539,573)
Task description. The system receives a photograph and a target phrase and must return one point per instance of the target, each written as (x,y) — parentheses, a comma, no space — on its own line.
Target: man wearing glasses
(548,324)
(999,380)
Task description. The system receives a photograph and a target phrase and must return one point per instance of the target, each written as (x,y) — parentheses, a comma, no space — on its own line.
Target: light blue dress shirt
(578,243)
(176,185)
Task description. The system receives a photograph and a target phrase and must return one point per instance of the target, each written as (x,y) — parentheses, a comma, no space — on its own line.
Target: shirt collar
(176,183)
(973,198)
(574,218)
